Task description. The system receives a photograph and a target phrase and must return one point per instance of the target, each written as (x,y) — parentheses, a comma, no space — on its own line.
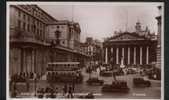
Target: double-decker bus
(64,72)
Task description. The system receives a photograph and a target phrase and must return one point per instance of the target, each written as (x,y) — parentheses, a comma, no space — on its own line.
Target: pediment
(127,36)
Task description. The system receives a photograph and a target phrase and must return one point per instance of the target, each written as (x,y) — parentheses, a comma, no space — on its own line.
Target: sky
(100,20)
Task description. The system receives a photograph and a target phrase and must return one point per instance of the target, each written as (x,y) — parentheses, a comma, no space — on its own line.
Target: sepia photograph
(87,50)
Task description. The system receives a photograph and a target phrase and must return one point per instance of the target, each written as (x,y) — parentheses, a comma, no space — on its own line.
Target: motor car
(116,86)
(106,73)
(155,74)
(94,81)
(88,96)
(131,71)
(118,72)
(140,82)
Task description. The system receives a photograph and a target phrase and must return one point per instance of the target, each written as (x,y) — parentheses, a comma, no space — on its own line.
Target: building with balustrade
(136,48)
(37,38)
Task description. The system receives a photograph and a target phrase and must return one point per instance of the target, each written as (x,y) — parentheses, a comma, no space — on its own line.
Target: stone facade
(67,32)
(28,39)
(31,48)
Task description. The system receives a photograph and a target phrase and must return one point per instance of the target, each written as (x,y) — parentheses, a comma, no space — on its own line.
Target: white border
(162,52)
(84,3)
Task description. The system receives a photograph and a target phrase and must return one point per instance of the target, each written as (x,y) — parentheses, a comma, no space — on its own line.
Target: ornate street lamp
(54,43)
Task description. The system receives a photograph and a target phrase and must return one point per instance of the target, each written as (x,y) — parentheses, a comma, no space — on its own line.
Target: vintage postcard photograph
(87,50)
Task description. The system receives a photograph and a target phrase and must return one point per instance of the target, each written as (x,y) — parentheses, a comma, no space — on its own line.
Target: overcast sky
(101,20)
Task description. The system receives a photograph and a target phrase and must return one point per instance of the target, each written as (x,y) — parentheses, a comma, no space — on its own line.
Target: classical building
(135,48)
(37,38)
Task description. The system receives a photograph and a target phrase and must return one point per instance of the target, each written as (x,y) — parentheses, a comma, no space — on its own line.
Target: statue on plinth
(122,66)
(122,62)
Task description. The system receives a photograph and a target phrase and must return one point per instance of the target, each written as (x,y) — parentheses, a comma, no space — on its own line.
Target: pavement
(153,92)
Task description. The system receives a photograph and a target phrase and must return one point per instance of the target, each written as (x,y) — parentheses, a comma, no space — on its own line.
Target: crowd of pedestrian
(48,92)
(68,90)
(51,91)
(23,76)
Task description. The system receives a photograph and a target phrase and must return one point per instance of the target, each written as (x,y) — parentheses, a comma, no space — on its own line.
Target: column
(29,60)
(117,55)
(141,56)
(32,61)
(35,65)
(147,55)
(111,50)
(26,60)
(134,55)
(128,55)
(106,56)
(122,52)
(22,60)
(111,59)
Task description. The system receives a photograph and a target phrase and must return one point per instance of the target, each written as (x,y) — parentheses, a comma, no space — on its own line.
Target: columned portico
(135,50)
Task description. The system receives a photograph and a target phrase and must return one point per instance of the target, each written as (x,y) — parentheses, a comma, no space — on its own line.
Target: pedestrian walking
(73,86)
(27,85)
(114,76)
(56,91)
(65,90)
(14,90)
(70,94)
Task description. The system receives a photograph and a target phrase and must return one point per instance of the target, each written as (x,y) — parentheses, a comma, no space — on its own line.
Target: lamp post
(53,44)
(35,84)
(35,71)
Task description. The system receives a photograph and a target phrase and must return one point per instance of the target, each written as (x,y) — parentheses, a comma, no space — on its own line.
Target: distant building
(93,48)
(137,48)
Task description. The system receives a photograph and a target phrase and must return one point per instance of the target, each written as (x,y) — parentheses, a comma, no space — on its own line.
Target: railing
(20,34)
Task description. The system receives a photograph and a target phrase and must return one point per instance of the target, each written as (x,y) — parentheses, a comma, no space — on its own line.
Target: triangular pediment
(127,36)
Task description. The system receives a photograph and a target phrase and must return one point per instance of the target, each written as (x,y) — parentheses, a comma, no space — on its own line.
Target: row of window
(33,10)
(88,49)
(30,28)
(38,29)
(77,36)
(29,19)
